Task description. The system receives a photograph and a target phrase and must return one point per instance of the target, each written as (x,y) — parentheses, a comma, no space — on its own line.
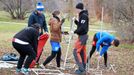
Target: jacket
(82,24)
(105,40)
(30,35)
(36,18)
(55,29)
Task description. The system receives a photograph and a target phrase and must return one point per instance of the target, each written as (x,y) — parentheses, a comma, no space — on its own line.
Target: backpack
(10,57)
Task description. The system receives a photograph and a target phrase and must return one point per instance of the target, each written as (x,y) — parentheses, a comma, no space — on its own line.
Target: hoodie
(30,35)
(82,24)
(38,18)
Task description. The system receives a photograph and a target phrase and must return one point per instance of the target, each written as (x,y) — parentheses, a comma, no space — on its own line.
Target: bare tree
(124,19)
(17,8)
(51,5)
(121,13)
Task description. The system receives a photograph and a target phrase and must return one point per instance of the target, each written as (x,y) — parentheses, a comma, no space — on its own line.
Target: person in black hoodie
(80,44)
(25,42)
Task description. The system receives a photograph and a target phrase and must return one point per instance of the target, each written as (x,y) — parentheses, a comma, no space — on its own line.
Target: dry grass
(122,56)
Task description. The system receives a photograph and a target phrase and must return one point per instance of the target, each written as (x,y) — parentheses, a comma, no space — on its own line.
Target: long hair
(55,13)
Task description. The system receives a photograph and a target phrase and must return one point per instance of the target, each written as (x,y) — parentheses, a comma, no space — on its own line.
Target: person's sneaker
(25,71)
(80,72)
(37,65)
(42,66)
(18,71)
(105,65)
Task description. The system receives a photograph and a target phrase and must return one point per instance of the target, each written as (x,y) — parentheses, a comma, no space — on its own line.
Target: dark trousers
(52,56)
(24,50)
(81,65)
(94,48)
(105,55)
(80,52)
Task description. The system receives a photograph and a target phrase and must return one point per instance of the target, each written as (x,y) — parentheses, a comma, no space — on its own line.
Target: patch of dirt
(122,58)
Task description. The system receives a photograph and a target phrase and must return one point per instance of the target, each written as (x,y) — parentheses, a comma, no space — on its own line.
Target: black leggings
(105,55)
(24,50)
(53,54)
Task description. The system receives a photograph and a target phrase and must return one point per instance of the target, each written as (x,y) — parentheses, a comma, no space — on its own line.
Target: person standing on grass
(79,51)
(55,31)
(38,17)
(25,42)
(105,40)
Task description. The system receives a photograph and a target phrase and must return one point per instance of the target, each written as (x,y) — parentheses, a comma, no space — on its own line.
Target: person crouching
(25,42)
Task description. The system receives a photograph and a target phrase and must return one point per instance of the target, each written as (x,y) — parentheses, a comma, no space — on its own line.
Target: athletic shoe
(80,72)
(37,65)
(18,71)
(25,71)
(42,66)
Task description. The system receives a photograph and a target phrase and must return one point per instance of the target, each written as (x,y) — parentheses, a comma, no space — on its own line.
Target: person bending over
(105,40)
(25,42)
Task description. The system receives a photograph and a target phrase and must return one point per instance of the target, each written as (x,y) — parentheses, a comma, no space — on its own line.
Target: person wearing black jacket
(38,17)
(80,44)
(25,42)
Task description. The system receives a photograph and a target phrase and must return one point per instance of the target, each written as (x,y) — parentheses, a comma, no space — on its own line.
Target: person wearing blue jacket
(105,40)
(38,17)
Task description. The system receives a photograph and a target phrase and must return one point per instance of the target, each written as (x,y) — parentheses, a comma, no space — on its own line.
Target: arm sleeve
(76,22)
(82,23)
(30,20)
(35,41)
(104,49)
(99,42)
(45,24)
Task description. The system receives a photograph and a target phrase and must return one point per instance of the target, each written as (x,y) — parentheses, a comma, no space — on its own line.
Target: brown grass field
(122,57)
